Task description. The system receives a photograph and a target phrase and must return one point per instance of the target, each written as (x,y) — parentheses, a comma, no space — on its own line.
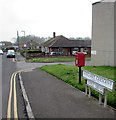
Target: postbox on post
(80,61)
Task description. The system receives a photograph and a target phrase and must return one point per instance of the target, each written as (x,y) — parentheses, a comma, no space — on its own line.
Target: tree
(32,37)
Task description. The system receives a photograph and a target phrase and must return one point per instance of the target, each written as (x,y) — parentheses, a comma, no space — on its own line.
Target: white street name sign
(106,83)
(96,86)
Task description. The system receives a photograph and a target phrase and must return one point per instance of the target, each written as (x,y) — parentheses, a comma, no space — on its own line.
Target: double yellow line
(12,90)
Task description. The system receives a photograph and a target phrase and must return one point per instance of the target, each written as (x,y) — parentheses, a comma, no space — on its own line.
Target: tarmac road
(8,67)
(48,96)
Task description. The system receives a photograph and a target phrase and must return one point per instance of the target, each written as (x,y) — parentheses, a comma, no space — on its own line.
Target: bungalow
(63,44)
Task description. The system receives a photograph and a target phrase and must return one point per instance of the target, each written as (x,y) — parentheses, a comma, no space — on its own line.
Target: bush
(34,51)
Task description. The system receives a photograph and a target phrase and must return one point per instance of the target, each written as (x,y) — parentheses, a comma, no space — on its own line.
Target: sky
(71,18)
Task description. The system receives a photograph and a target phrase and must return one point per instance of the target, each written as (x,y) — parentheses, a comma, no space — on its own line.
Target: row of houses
(66,46)
(59,44)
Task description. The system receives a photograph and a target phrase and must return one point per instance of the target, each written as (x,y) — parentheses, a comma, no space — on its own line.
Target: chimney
(54,34)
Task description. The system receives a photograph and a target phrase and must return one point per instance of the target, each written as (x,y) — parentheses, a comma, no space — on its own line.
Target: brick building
(63,44)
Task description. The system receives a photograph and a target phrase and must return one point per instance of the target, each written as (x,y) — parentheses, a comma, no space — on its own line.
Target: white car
(1,52)
(10,54)
(56,53)
(74,52)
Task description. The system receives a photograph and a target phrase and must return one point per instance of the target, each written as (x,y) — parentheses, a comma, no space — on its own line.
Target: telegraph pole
(18,39)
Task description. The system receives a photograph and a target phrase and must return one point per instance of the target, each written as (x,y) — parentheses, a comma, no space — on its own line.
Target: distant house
(63,44)
(5,44)
(30,44)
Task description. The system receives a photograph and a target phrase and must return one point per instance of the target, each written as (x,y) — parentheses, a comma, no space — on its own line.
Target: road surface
(53,103)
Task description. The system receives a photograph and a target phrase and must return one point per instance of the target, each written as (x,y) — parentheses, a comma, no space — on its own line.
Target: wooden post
(100,98)
(106,97)
(89,92)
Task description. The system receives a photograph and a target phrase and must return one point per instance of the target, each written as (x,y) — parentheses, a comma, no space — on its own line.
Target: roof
(103,1)
(108,1)
(96,2)
(33,42)
(61,41)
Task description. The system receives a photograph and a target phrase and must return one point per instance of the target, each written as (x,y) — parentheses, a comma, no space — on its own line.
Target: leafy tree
(79,38)
(32,37)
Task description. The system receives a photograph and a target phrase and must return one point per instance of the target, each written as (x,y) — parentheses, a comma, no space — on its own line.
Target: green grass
(62,59)
(69,74)
(57,59)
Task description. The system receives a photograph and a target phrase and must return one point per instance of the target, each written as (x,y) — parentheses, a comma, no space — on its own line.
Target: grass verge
(57,59)
(69,74)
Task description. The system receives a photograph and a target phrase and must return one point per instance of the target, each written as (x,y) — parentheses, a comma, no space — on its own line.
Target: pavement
(50,97)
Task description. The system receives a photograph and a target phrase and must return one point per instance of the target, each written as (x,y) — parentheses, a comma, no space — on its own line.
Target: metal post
(79,74)
(100,98)
(106,97)
(86,89)
(89,92)
(24,34)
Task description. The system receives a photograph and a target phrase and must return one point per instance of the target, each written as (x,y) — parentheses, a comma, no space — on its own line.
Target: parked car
(56,53)
(74,52)
(1,52)
(10,54)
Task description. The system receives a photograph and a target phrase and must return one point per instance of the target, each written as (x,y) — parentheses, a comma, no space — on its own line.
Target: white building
(104,33)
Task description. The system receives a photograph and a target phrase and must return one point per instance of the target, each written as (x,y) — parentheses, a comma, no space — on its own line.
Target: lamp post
(24,33)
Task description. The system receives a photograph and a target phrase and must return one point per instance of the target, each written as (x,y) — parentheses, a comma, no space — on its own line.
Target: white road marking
(28,107)
(13,89)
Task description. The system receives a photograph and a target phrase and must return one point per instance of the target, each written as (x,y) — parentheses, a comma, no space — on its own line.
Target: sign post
(80,61)
(98,83)
(79,74)
(100,98)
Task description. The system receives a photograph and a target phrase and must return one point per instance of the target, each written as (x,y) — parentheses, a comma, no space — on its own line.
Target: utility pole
(18,39)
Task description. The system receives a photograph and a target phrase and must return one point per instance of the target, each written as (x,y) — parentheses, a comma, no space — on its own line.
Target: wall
(103,34)
(115,34)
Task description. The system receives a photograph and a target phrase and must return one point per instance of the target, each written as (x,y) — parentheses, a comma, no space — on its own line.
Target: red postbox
(80,59)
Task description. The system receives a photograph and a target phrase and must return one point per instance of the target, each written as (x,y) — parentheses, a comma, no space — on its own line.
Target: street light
(24,37)
(24,33)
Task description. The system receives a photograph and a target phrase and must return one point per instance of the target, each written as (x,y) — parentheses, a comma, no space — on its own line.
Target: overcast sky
(71,18)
